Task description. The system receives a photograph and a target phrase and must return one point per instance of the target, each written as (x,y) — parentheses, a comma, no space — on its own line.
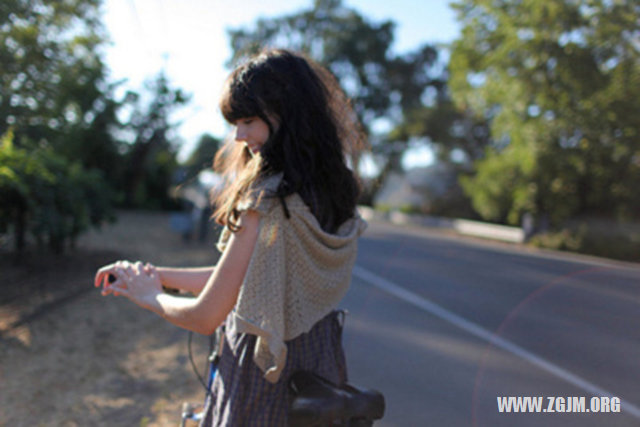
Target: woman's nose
(240,134)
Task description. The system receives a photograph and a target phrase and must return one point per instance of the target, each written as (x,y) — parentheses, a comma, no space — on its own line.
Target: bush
(612,241)
(49,197)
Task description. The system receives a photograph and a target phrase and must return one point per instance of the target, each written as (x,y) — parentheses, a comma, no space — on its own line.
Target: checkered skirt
(242,397)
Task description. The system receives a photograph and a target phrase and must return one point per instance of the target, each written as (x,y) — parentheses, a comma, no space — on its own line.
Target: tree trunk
(21,229)
(136,171)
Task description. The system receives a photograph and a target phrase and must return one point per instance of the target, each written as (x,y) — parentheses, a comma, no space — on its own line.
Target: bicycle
(316,402)
(194,411)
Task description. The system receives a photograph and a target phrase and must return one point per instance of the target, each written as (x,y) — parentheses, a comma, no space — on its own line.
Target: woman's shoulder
(261,194)
(269,183)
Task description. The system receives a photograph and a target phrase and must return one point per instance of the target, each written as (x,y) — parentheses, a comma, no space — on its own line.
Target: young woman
(288,245)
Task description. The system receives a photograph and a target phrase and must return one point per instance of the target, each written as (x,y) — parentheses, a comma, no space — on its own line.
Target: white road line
(478,331)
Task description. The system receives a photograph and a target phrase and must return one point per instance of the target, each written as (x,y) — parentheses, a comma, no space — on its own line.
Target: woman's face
(252,131)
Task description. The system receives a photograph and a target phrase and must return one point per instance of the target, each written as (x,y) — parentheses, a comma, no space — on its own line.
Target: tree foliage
(456,135)
(560,84)
(65,155)
(51,68)
(151,158)
(51,197)
(52,91)
(202,156)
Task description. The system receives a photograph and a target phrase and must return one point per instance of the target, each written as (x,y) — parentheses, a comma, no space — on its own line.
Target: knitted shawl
(298,273)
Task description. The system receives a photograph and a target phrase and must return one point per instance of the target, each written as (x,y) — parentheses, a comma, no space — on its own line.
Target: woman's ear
(273,121)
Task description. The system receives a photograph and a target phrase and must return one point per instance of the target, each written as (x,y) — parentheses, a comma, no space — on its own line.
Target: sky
(188,40)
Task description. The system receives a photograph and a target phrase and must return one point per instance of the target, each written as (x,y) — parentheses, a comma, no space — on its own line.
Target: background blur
(513,113)
(495,112)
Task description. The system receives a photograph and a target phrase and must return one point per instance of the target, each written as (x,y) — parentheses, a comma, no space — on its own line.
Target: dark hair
(317,130)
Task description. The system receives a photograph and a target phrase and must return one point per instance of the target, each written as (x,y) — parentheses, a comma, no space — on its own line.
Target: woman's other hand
(140,283)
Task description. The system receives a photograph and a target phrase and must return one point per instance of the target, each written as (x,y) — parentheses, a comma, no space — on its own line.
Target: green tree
(65,151)
(51,67)
(55,98)
(54,89)
(151,157)
(457,136)
(560,84)
(48,196)
(55,112)
(202,157)
(17,171)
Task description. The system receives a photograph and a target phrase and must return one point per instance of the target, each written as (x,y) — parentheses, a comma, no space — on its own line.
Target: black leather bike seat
(319,401)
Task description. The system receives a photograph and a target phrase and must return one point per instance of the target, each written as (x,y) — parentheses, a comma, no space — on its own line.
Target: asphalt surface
(553,325)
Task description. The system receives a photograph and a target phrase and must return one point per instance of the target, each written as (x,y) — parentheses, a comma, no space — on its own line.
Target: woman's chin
(253,151)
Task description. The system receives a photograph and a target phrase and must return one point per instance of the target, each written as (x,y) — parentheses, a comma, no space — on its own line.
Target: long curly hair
(318,135)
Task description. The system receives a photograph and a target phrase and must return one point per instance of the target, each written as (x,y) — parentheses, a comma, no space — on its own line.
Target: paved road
(423,308)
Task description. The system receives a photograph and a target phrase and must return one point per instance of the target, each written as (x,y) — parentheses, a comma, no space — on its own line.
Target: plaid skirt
(242,397)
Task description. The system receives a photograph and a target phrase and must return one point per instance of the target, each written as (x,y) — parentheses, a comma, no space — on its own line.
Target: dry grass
(69,357)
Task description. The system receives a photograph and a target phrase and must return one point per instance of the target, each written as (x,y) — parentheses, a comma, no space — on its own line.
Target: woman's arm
(204,313)
(190,279)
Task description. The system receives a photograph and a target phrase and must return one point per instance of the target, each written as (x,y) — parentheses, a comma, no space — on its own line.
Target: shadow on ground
(70,357)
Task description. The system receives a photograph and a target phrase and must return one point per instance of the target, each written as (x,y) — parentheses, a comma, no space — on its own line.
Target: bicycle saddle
(317,400)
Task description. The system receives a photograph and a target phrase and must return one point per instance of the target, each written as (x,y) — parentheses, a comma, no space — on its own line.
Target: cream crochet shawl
(298,273)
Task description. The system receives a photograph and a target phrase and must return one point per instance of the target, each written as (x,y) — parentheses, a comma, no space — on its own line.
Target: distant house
(418,189)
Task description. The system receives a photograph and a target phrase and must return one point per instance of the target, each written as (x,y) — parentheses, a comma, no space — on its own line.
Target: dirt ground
(70,357)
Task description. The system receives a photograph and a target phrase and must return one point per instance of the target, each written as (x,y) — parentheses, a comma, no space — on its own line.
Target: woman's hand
(140,283)
(107,276)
